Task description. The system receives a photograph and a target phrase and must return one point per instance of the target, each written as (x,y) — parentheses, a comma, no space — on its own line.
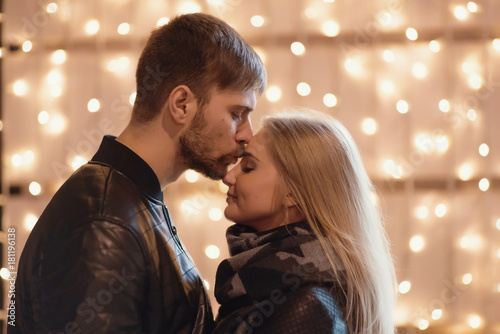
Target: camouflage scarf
(283,258)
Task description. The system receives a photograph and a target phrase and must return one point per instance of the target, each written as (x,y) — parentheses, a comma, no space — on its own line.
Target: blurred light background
(415,81)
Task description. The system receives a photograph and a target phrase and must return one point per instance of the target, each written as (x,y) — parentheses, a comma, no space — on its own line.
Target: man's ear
(181,105)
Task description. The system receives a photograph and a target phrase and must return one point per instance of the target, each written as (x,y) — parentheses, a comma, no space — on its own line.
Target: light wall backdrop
(416,82)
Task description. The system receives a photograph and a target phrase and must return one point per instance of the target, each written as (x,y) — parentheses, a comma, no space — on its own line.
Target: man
(104,256)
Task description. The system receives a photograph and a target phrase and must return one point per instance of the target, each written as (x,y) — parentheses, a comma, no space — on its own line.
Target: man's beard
(195,150)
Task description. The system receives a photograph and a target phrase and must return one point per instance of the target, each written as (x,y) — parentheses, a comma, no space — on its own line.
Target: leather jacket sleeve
(96,285)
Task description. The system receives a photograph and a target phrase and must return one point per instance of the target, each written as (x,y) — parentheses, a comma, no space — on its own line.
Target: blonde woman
(309,253)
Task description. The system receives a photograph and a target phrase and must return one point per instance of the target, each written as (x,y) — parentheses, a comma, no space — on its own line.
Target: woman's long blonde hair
(321,166)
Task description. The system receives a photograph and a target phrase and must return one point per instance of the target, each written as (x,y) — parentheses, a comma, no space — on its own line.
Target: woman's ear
(290,200)
(181,105)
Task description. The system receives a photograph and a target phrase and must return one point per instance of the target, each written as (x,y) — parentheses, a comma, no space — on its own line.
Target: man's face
(217,135)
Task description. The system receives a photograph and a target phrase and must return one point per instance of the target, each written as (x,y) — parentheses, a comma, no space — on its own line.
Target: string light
(77,162)
(467,279)
(475,81)
(465,171)
(419,70)
(215,214)
(388,56)
(273,93)
(471,115)
(27,46)
(444,105)
(423,324)
(35,188)
(43,117)
(297,48)
(5,273)
(474,321)
(51,8)
(411,34)
(191,176)
(422,212)
(484,184)
(303,89)
(436,314)
(461,13)
(496,44)
(434,46)
(330,28)
(93,105)
(440,210)
(387,87)
(123,28)
(353,66)
(417,243)
(92,27)
(330,100)
(162,21)
(484,150)
(402,106)
(212,252)
(30,221)
(58,57)
(369,126)
(404,287)
(472,7)
(20,88)
(257,21)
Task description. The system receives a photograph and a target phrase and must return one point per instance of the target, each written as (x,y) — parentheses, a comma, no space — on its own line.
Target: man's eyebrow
(241,107)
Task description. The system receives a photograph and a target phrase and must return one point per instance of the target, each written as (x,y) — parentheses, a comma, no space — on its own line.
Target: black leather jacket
(104,257)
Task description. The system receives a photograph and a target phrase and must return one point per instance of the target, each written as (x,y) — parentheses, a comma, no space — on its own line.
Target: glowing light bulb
(78,162)
(123,28)
(297,48)
(440,210)
(212,252)
(43,117)
(417,243)
(191,176)
(223,188)
(187,7)
(404,287)
(58,57)
(93,105)
(303,89)
(20,88)
(35,188)
(497,224)
(388,56)
(444,105)
(30,221)
(419,70)
(56,91)
(273,94)
(92,27)
(330,28)
(474,321)
(436,314)
(56,124)
(471,115)
(467,279)
(423,324)
(369,126)
(215,214)
(27,46)
(311,13)
(434,46)
(353,66)
(475,81)
(55,77)
(411,34)
(496,44)
(442,143)
(51,8)
(484,184)
(387,87)
(472,7)
(330,100)
(484,150)
(5,273)
(257,21)
(461,13)
(402,106)
(424,142)
(422,212)
(465,172)
(162,21)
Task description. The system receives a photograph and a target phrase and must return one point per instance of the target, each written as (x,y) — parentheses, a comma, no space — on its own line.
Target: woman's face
(254,198)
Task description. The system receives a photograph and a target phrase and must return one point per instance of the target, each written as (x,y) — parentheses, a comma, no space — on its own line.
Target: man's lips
(231,196)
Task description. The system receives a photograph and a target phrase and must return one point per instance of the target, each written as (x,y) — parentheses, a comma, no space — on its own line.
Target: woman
(308,252)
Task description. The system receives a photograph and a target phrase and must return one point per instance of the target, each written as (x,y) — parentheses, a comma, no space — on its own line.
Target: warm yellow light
(417,243)
(436,314)
(402,106)
(162,21)
(404,287)
(471,242)
(297,48)
(440,210)
(77,162)
(215,214)
(123,28)
(465,171)
(35,188)
(461,13)
(474,321)
(56,124)
(58,57)
(191,176)
(273,93)
(187,7)
(56,91)
(353,66)
(369,126)
(444,105)
(55,77)
(330,28)
(20,88)
(132,98)
(472,7)
(206,284)
(434,46)
(422,212)
(92,27)
(497,224)
(387,87)
(43,117)
(484,149)
(442,143)
(120,64)
(475,81)
(467,279)
(257,21)
(212,252)
(261,53)
(51,8)
(330,100)
(424,143)
(30,221)
(471,115)
(16,160)
(411,34)
(311,13)
(388,56)
(93,105)
(303,89)
(27,46)
(419,71)
(223,188)
(5,273)
(423,324)
(496,44)
(484,184)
